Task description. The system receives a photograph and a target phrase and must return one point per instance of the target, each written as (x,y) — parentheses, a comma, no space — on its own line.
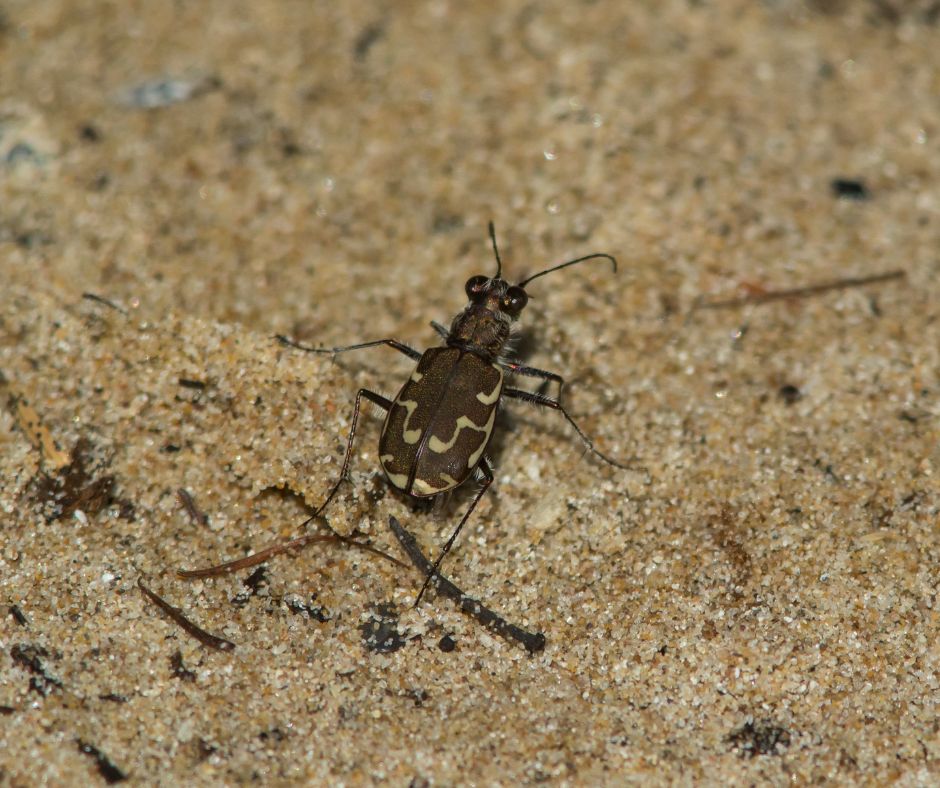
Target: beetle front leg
(487,473)
(293,544)
(401,347)
(554,404)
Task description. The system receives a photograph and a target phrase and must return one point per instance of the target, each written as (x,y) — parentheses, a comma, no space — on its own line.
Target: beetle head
(494,304)
(485,323)
(496,295)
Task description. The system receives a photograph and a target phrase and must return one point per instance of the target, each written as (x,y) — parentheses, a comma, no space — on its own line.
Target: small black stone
(759,738)
(380,633)
(789,393)
(179,670)
(106,768)
(89,133)
(850,189)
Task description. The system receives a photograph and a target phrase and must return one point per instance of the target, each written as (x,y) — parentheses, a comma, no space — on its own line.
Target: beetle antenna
(499,263)
(558,267)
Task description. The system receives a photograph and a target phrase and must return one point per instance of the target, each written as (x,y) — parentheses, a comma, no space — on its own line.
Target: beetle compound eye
(475,286)
(515,300)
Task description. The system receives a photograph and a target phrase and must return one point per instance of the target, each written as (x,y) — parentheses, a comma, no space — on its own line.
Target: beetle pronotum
(438,426)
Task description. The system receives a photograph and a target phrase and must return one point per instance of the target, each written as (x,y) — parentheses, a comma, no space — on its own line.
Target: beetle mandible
(438,426)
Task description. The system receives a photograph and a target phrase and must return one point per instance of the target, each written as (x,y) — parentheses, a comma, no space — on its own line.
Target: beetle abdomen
(441,421)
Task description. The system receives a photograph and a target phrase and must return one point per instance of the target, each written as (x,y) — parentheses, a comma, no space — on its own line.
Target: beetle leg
(401,347)
(383,403)
(548,402)
(533,372)
(533,642)
(487,473)
(281,547)
(442,330)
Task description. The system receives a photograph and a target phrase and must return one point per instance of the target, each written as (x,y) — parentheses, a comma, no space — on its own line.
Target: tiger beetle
(438,426)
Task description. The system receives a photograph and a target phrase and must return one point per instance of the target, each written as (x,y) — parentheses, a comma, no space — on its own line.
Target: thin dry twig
(102,300)
(276,549)
(206,638)
(800,292)
(194,512)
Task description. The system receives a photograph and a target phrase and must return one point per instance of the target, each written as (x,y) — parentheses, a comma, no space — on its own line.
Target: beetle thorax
(480,330)
(483,327)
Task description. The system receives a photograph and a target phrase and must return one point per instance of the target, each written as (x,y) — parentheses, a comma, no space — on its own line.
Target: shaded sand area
(755,602)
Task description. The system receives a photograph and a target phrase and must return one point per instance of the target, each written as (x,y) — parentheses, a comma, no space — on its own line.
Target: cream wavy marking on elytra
(409,436)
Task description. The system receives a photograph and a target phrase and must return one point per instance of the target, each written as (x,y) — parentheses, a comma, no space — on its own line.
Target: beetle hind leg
(487,473)
(294,544)
(377,399)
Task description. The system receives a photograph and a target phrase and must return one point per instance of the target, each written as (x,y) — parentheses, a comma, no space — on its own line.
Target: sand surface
(753,603)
